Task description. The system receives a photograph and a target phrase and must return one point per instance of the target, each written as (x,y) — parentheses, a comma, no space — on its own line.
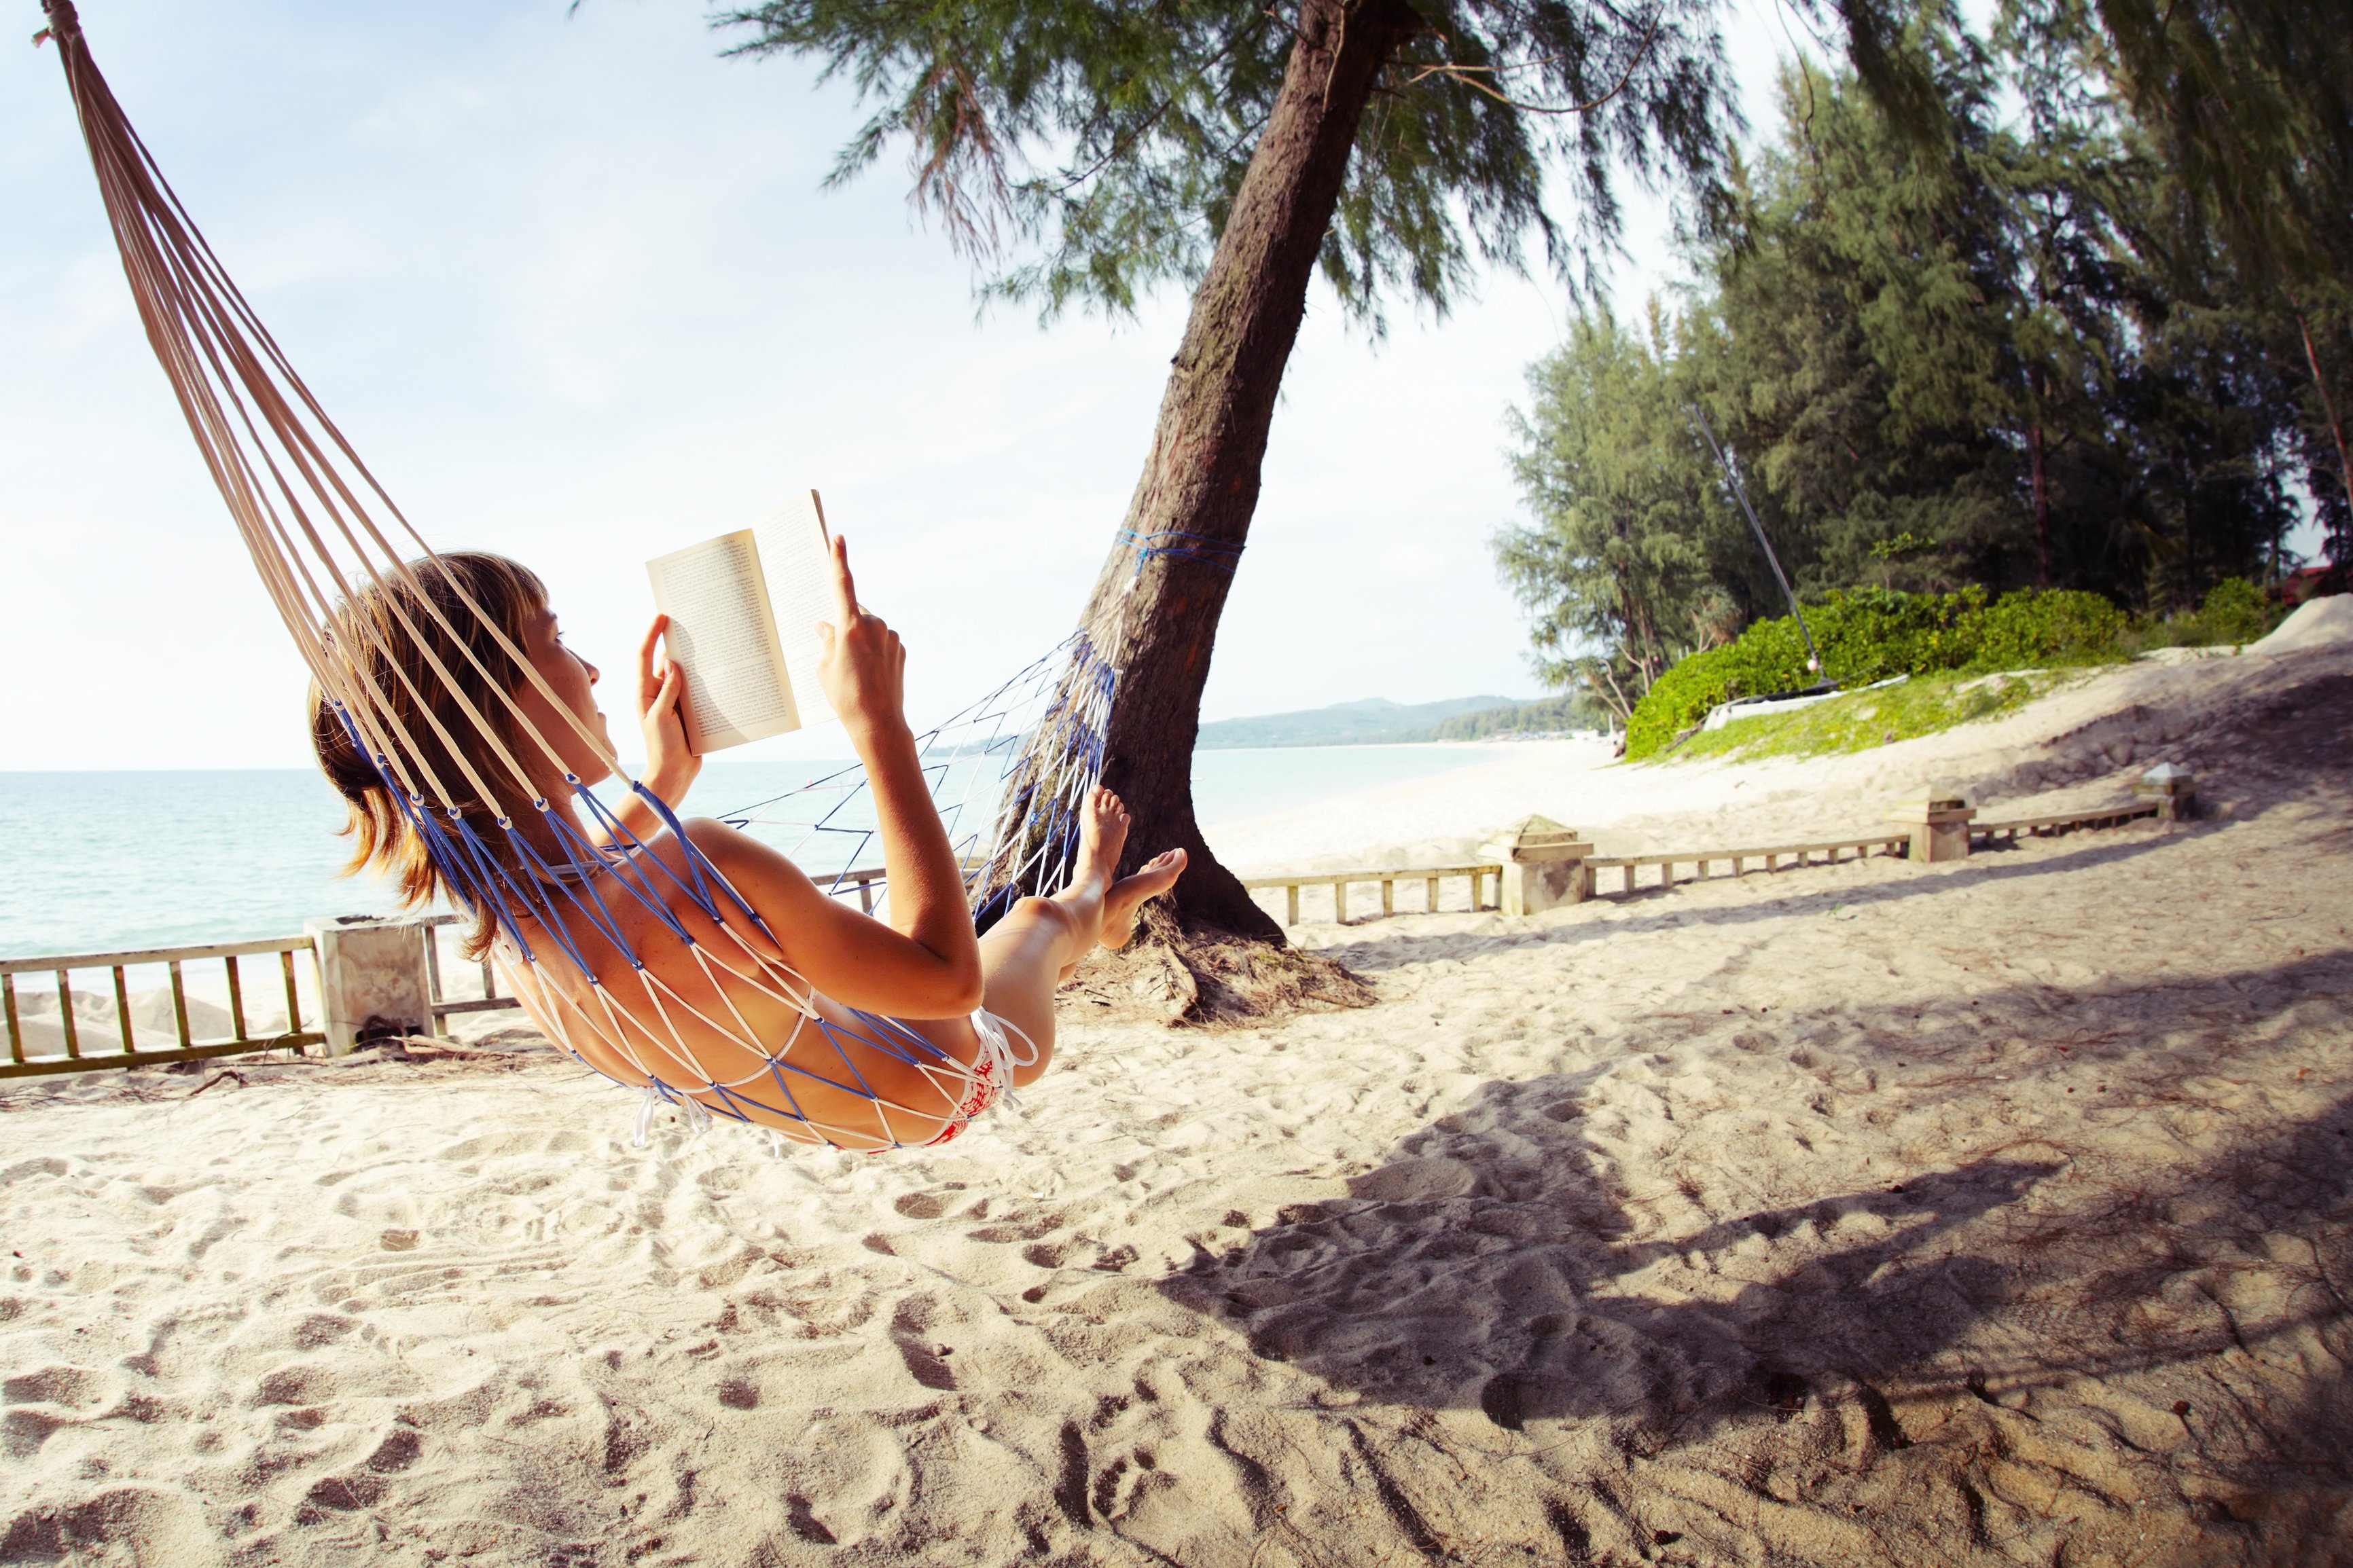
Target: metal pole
(1813,656)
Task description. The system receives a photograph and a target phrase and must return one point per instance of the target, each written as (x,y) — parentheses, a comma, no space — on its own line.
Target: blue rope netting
(1178,545)
(1013,831)
(972,763)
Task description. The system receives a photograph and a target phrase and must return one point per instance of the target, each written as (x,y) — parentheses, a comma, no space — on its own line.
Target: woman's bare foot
(1102,833)
(1129,894)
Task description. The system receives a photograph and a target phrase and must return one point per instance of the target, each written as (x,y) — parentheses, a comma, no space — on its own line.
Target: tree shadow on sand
(2193,1310)
(1489,1266)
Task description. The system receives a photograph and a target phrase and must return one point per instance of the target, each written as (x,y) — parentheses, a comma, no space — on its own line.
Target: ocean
(101,862)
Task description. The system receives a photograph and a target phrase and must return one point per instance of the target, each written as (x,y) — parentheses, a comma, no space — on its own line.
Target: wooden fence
(124,1050)
(1340,882)
(441,1005)
(1768,858)
(2050,826)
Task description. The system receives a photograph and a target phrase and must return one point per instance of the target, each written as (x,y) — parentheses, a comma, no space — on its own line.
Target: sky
(568,281)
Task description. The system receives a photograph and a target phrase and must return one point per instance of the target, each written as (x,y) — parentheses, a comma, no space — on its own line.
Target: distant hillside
(1372,721)
(1545,714)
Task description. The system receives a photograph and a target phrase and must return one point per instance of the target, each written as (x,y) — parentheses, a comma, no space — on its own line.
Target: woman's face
(573,680)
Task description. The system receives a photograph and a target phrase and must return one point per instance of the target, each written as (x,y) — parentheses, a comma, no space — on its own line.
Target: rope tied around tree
(1224,554)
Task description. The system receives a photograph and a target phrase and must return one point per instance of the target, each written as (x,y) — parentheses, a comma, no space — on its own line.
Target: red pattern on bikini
(985,1092)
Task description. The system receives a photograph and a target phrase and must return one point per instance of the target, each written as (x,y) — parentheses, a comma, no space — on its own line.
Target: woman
(753,992)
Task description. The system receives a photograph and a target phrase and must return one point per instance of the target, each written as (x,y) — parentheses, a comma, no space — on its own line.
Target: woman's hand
(670,766)
(863,670)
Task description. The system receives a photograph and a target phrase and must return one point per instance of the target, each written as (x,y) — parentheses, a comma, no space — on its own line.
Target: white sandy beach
(1992,1211)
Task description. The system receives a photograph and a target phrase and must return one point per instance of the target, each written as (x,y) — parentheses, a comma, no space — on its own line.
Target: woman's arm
(926,963)
(863,673)
(671,766)
(851,957)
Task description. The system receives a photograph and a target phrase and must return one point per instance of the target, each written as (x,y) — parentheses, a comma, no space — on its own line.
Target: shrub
(2236,612)
(1871,634)
(2032,627)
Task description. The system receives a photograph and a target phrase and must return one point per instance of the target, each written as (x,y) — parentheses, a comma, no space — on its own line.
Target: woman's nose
(594,673)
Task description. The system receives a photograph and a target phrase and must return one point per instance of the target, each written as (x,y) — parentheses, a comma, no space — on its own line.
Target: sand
(1992,1211)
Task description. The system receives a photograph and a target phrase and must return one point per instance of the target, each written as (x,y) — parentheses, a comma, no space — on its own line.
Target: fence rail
(1769,857)
(1340,882)
(1699,860)
(489,1001)
(126,1051)
(2049,826)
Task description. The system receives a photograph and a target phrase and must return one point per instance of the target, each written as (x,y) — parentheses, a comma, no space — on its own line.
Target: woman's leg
(1029,953)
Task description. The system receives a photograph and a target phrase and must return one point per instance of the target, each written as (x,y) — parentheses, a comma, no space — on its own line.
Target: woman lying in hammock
(751,992)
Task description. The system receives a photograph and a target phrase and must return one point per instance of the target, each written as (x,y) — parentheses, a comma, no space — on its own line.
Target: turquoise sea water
(99,862)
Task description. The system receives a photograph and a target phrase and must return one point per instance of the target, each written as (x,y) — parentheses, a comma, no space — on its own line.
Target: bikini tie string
(997,1051)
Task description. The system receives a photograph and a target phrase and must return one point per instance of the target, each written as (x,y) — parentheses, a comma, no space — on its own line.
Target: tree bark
(1156,606)
(2328,404)
(2039,469)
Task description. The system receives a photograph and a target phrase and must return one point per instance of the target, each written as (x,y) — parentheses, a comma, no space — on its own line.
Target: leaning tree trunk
(2327,403)
(1155,610)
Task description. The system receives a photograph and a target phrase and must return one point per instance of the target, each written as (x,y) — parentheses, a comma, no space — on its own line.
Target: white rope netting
(648,966)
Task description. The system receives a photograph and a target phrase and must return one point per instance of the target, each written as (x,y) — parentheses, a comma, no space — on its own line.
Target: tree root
(1200,977)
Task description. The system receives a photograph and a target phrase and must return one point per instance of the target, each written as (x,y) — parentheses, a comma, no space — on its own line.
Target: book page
(797,560)
(723,636)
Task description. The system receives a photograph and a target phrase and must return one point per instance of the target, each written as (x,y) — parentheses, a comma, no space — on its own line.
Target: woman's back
(717,1008)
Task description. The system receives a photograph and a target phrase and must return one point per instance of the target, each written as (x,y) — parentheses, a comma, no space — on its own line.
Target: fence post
(373,979)
(1939,821)
(2173,787)
(1542,865)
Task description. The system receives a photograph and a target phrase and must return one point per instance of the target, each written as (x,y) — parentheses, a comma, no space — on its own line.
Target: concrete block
(373,980)
(1543,866)
(1939,820)
(2173,787)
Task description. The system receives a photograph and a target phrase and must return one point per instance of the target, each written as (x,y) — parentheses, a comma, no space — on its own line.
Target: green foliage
(1869,635)
(2027,629)
(1577,710)
(2236,612)
(1956,355)
(1106,140)
(1858,720)
(1633,540)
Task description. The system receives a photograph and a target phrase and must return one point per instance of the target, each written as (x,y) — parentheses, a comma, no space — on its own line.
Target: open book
(744,610)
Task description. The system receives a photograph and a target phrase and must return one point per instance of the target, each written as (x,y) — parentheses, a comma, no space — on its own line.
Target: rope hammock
(321,534)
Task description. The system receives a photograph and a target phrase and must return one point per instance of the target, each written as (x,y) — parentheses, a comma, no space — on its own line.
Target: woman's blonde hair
(372,629)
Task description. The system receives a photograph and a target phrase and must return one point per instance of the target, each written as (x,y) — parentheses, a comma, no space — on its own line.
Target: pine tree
(1634,550)
(2247,106)
(1106,147)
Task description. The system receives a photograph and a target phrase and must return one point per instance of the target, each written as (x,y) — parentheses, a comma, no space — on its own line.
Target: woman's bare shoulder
(733,851)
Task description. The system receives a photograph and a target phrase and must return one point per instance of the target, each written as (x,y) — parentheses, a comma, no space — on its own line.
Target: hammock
(318,526)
